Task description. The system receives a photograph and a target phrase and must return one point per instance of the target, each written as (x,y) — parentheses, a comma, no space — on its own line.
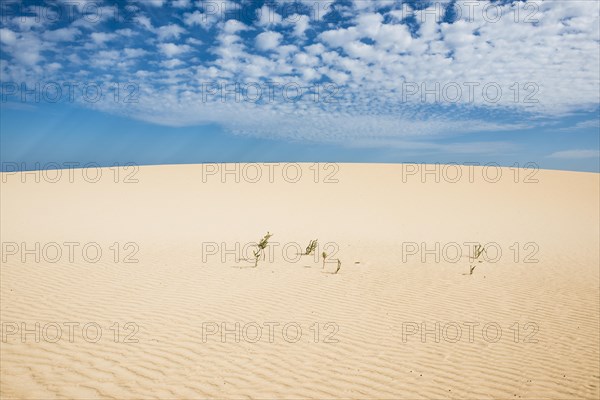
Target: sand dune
(361,329)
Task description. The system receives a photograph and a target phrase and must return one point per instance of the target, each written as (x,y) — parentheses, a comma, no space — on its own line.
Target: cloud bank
(356,72)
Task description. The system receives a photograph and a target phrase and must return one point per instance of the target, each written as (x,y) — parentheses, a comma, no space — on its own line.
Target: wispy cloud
(589,124)
(575,154)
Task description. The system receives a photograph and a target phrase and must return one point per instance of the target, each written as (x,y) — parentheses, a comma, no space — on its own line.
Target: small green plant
(324,257)
(477,252)
(261,246)
(312,245)
(339,265)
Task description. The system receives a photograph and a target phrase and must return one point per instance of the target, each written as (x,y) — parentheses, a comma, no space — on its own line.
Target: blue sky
(178,81)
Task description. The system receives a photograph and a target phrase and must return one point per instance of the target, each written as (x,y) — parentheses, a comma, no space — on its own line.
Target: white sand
(171,294)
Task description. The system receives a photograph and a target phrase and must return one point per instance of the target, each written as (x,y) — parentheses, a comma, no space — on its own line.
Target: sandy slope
(175,297)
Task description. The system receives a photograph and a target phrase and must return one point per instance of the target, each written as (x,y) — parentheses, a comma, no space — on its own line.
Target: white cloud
(172,49)
(61,35)
(144,21)
(172,63)
(125,32)
(339,37)
(234,26)
(106,58)
(315,49)
(171,31)
(361,50)
(53,67)
(7,36)
(134,53)
(28,58)
(26,23)
(199,18)
(100,38)
(369,24)
(300,23)
(268,40)
(74,59)
(267,17)
(395,38)
(362,5)
(193,41)
(16,43)
(306,59)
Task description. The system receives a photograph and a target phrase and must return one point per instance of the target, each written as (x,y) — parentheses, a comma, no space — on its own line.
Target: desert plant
(312,245)
(337,269)
(261,246)
(324,257)
(339,265)
(477,252)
